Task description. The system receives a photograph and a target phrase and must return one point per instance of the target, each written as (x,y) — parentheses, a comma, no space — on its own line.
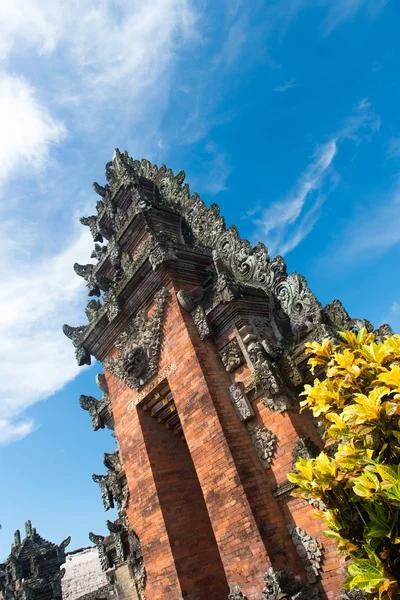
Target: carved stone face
(135,361)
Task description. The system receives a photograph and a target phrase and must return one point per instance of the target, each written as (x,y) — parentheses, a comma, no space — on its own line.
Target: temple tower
(202,339)
(32,571)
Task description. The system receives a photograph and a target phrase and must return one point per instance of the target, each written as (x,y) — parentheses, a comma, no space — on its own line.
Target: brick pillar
(144,511)
(199,393)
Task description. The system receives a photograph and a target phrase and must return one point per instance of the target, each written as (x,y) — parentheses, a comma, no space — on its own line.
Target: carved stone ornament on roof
(383,332)
(309,550)
(92,310)
(95,408)
(116,530)
(336,315)
(299,304)
(264,442)
(241,403)
(139,346)
(98,540)
(95,283)
(278,585)
(247,264)
(76,335)
(232,356)
(236,593)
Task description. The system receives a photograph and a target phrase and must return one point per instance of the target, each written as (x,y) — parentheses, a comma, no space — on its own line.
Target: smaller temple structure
(32,571)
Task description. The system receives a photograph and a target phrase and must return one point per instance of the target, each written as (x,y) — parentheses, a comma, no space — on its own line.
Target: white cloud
(99,63)
(342,10)
(285,86)
(377,231)
(28,130)
(395,307)
(218,170)
(284,224)
(37,358)
(393,149)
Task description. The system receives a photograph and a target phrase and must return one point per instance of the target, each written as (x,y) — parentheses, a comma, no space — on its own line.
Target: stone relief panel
(232,356)
(139,346)
(264,442)
(242,405)
(309,550)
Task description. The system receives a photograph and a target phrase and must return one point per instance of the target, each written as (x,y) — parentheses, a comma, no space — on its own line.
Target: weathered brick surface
(203,507)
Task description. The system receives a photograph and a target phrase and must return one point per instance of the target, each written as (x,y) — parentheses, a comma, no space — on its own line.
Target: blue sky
(284,112)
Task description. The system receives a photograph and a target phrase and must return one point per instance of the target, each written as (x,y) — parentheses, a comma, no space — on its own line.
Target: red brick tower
(202,339)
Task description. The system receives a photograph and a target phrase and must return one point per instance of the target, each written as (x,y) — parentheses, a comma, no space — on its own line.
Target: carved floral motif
(232,356)
(309,550)
(139,346)
(264,442)
(240,401)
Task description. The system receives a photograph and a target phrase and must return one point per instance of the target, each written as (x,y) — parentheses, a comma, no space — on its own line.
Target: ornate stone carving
(159,253)
(111,304)
(383,332)
(32,571)
(92,310)
(236,593)
(299,304)
(99,410)
(95,283)
(242,405)
(98,540)
(139,346)
(264,442)
(200,320)
(305,448)
(282,490)
(336,315)
(278,585)
(116,530)
(113,485)
(232,356)
(357,324)
(309,550)
(76,335)
(267,374)
(354,594)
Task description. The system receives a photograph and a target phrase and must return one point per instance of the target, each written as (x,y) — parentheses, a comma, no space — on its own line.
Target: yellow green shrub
(359,481)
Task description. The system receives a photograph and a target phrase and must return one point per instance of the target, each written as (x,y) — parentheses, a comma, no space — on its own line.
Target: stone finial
(29,530)
(17,538)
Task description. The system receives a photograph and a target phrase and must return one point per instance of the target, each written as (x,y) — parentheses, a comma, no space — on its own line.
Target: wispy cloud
(99,64)
(285,86)
(377,231)
(343,10)
(218,170)
(284,224)
(28,130)
(36,358)
(393,149)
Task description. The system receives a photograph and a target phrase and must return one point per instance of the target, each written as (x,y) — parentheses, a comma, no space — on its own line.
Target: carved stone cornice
(139,346)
